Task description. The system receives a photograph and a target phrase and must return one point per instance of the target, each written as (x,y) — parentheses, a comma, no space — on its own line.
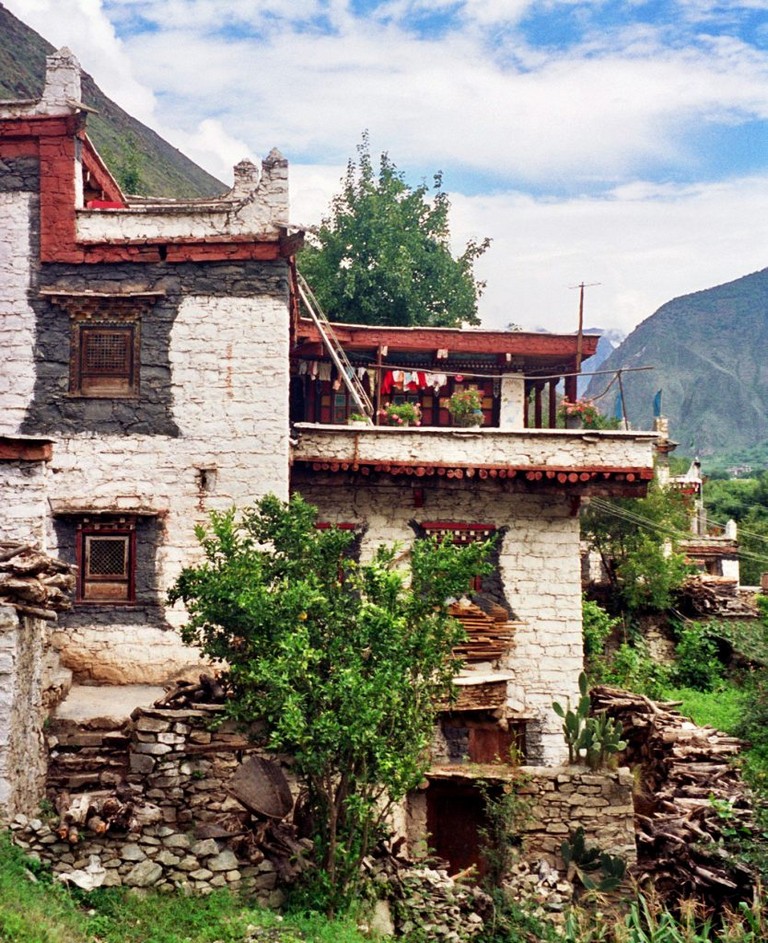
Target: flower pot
(573,422)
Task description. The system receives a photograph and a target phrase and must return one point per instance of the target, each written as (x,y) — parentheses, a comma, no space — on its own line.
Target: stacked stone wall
(175,766)
(23,756)
(569,797)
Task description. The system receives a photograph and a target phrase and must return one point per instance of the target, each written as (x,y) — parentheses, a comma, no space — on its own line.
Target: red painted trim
(53,141)
(452,525)
(455,340)
(21,450)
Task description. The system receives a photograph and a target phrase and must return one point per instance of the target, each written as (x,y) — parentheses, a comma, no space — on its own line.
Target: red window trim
(123,526)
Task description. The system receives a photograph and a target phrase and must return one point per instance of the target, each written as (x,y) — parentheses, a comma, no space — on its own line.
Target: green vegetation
(33,909)
(383,255)
(344,663)
(635,541)
(745,500)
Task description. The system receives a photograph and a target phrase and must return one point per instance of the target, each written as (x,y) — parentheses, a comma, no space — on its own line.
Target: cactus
(598,738)
(574,721)
(582,862)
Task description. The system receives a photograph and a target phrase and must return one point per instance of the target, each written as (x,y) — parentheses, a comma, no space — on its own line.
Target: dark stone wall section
(55,411)
(19,175)
(148,608)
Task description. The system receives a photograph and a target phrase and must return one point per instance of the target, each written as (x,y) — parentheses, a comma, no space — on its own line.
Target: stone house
(155,367)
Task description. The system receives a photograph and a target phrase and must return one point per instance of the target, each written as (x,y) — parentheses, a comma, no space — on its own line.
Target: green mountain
(709,351)
(140,159)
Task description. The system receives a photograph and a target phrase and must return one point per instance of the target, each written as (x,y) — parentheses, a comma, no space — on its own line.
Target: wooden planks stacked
(32,582)
(692,802)
(489,635)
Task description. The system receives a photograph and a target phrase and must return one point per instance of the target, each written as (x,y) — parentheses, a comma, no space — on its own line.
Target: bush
(697,663)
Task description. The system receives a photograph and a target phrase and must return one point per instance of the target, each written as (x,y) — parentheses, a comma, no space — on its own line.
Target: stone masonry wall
(539,564)
(17,319)
(176,766)
(567,797)
(23,757)
(24,500)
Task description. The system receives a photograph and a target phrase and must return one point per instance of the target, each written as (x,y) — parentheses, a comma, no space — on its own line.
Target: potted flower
(578,414)
(466,407)
(358,420)
(400,414)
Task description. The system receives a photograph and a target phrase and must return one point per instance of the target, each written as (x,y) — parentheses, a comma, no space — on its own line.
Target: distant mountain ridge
(709,351)
(129,148)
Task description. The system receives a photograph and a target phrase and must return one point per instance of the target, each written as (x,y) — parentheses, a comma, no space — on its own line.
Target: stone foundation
(22,751)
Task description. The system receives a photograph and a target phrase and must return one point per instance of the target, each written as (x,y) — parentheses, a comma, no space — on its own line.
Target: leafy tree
(635,538)
(383,255)
(746,501)
(344,663)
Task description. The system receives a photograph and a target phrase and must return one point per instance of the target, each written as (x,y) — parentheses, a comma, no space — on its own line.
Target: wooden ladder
(338,355)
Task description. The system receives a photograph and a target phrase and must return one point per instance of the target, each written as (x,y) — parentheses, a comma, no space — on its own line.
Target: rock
(144,874)
(225,861)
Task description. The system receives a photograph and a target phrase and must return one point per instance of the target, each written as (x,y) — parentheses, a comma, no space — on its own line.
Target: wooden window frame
(92,380)
(112,589)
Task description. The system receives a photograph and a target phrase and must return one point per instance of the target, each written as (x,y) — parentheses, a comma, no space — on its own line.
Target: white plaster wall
(17,319)
(229,359)
(22,756)
(539,563)
(24,501)
(559,448)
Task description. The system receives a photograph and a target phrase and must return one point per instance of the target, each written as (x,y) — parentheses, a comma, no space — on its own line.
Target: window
(105,339)
(105,359)
(460,535)
(106,559)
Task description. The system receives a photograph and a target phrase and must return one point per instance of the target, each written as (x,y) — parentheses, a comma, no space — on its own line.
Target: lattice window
(460,534)
(105,359)
(106,552)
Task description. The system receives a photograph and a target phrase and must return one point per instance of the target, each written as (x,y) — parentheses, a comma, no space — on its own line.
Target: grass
(34,909)
(720,709)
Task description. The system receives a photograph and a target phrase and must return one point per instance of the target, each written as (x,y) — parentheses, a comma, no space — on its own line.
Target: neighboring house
(157,346)
(150,342)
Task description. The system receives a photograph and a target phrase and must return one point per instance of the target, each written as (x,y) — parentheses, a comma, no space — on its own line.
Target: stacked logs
(693,801)
(33,583)
(714,596)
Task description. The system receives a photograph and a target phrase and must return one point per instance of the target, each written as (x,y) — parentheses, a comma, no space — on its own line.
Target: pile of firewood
(186,694)
(98,812)
(693,802)
(714,596)
(34,583)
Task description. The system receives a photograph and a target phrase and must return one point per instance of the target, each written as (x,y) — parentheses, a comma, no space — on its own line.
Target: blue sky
(624,143)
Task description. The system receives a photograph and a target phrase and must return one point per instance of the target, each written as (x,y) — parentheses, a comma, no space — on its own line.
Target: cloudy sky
(619,143)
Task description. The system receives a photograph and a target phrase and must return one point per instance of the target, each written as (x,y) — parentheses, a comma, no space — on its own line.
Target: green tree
(746,501)
(344,663)
(635,538)
(383,255)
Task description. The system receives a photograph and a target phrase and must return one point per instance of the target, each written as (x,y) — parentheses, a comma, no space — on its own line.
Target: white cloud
(600,117)
(644,244)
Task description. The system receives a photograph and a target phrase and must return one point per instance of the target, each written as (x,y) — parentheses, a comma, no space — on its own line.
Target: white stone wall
(539,563)
(229,359)
(256,205)
(559,448)
(24,501)
(17,319)
(22,753)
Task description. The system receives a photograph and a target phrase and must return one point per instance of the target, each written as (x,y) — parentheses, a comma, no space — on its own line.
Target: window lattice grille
(107,556)
(460,534)
(107,352)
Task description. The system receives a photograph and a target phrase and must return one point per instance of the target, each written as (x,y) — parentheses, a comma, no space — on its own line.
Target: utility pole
(580,336)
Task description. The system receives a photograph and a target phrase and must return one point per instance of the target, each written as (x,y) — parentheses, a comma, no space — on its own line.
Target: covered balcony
(520,377)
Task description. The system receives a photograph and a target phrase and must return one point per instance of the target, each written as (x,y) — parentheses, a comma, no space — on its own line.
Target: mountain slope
(125,143)
(709,351)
